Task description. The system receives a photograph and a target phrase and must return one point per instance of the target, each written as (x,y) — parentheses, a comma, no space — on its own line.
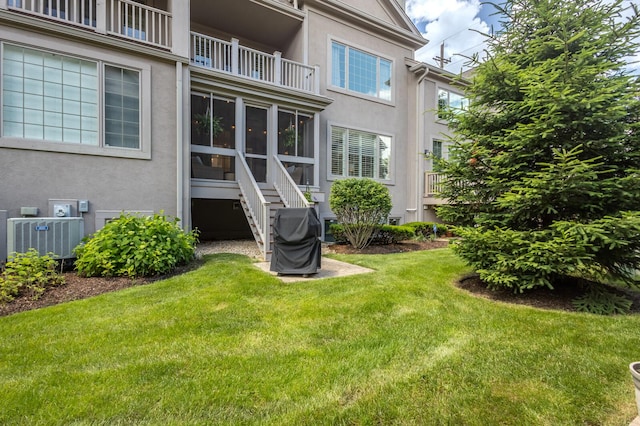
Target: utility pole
(441,58)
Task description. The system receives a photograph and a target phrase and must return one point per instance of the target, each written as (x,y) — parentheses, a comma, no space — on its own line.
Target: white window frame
(449,93)
(331,176)
(144,70)
(346,89)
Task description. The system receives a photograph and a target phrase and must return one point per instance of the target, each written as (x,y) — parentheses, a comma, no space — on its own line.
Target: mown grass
(229,344)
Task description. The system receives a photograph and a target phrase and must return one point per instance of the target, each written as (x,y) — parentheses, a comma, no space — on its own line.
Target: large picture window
(355,153)
(56,98)
(360,72)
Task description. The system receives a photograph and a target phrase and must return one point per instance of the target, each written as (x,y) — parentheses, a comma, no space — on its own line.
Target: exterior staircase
(275,202)
(260,205)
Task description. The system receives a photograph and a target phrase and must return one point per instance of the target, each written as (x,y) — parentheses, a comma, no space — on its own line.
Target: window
(450,100)
(213,121)
(295,145)
(122,107)
(256,119)
(213,135)
(356,153)
(295,134)
(360,72)
(56,98)
(440,151)
(437,149)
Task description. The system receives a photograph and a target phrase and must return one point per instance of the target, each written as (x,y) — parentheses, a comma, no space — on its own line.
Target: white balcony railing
(432,184)
(75,12)
(230,57)
(123,18)
(139,22)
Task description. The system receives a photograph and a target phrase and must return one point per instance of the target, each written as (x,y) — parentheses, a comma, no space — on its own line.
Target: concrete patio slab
(330,268)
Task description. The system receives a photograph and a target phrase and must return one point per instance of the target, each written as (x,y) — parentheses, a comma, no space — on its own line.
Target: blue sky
(450,22)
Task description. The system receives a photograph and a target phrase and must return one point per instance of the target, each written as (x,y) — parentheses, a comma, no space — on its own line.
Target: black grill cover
(296,245)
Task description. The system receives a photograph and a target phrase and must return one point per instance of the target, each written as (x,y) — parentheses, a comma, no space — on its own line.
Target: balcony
(121,18)
(432,189)
(272,23)
(231,57)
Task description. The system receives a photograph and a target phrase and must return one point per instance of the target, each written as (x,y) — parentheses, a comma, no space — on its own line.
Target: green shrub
(28,272)
(602,302)
(392,234)
(426,228)
(383,235)
(362,205)
(136,246)
(602,251)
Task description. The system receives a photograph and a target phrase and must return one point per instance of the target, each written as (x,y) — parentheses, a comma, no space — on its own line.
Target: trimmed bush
(362,205)
(385,234)
(28,272)
(136,246)
(425,229)
(392,234)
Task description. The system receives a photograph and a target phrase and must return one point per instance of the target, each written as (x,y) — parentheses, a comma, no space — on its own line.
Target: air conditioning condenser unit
(58,235)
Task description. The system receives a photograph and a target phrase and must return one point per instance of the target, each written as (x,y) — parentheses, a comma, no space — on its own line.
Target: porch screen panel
(305,136)
(200,120)
(286,133)
(224,120)
(256,130)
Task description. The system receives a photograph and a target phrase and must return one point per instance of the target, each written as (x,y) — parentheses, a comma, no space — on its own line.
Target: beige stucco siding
(356,111)
(33,177)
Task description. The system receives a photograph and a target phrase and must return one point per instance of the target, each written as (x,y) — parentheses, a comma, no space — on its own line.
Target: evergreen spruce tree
(544,173)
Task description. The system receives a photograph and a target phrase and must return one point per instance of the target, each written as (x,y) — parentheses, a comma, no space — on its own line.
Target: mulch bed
(77,287)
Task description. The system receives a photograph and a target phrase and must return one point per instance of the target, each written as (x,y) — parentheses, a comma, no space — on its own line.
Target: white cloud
(450,22)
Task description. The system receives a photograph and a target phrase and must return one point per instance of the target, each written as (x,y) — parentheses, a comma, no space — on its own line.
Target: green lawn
(229,344)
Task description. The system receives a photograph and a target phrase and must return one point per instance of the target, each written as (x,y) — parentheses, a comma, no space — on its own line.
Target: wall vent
(45,234)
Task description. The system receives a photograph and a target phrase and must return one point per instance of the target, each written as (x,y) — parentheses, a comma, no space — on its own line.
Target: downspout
(419,125)
(179,147)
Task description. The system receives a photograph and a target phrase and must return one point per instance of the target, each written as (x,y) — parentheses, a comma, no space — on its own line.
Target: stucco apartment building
(215,112)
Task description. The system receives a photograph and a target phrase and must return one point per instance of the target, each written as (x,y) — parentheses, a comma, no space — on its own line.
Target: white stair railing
(256,204)
(286,188)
